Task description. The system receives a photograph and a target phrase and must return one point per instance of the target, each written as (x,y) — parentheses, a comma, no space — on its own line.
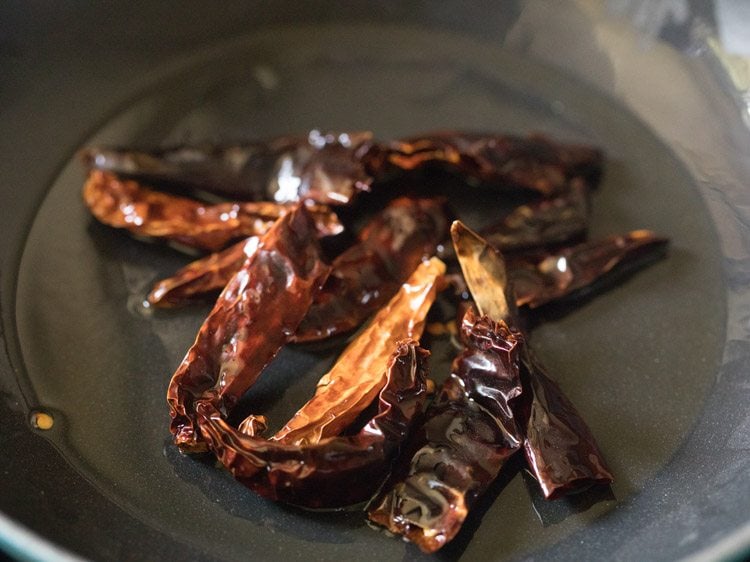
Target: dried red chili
(544,222)
(126,204)
(353,382)
(367,274)
(468,434)
(203,276)
(370,272)
(326,168)
(335,471)
(534,163)
(326,471)
(560,449)
(496,400)
(541,277)
(331,168)
(239,338)
(363,278)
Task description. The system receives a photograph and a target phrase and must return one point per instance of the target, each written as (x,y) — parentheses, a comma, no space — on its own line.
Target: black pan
(658,364)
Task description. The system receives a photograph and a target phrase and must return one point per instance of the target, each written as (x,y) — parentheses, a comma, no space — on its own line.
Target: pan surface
(645,361)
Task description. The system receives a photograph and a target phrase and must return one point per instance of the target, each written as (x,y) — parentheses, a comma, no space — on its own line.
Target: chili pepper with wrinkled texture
(239,338)
(541,277)
(363,277)
(332,470)
(560,448)
(335,471)
(368,274)
(440,476)
(356,280)
(203,276)
(535,163)
(143,211)
(324,167)
(468,434)
(332,168)
(350,386)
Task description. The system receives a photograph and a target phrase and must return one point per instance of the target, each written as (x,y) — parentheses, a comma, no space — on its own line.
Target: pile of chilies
(421,463)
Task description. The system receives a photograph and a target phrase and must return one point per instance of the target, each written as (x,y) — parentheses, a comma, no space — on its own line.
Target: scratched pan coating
(99,362)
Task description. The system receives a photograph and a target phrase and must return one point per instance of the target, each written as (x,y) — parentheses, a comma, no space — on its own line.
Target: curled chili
(368,274)
(378,365)
(239,338)
(347,389)
(335,471)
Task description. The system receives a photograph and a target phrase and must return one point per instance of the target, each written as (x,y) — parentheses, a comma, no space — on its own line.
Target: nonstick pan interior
(646,360)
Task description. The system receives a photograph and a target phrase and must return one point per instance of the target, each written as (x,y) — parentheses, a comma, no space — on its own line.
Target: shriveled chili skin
(126,204)
(363,278)
(359,275)
(539,278)
(324,167)
(204,276)
(336,471)
(544,222)
(369,273)
(534,163)
(358,375)
(331,168)
(239,337)
(560,449)
(468,434)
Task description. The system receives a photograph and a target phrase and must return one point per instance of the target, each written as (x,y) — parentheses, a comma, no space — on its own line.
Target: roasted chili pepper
(470,430)
(485,412)
(239,337)
(364,277)
(332,168)
(356,378)
(360,276)
(560,449)
(539,278)
(370,272)
(468,434)
(326,168)
(336,471)
(534,163)
(126,204)
(203,276)
(544,222)
(328,472)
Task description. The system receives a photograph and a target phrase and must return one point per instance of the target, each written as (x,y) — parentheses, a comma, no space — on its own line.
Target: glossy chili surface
(468,434)
(333,167)
(324,167)
(146,212)
(353,382)
(335,471)
(239,337)
(541,277)
(534,163)
(368,274)
(204,276)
